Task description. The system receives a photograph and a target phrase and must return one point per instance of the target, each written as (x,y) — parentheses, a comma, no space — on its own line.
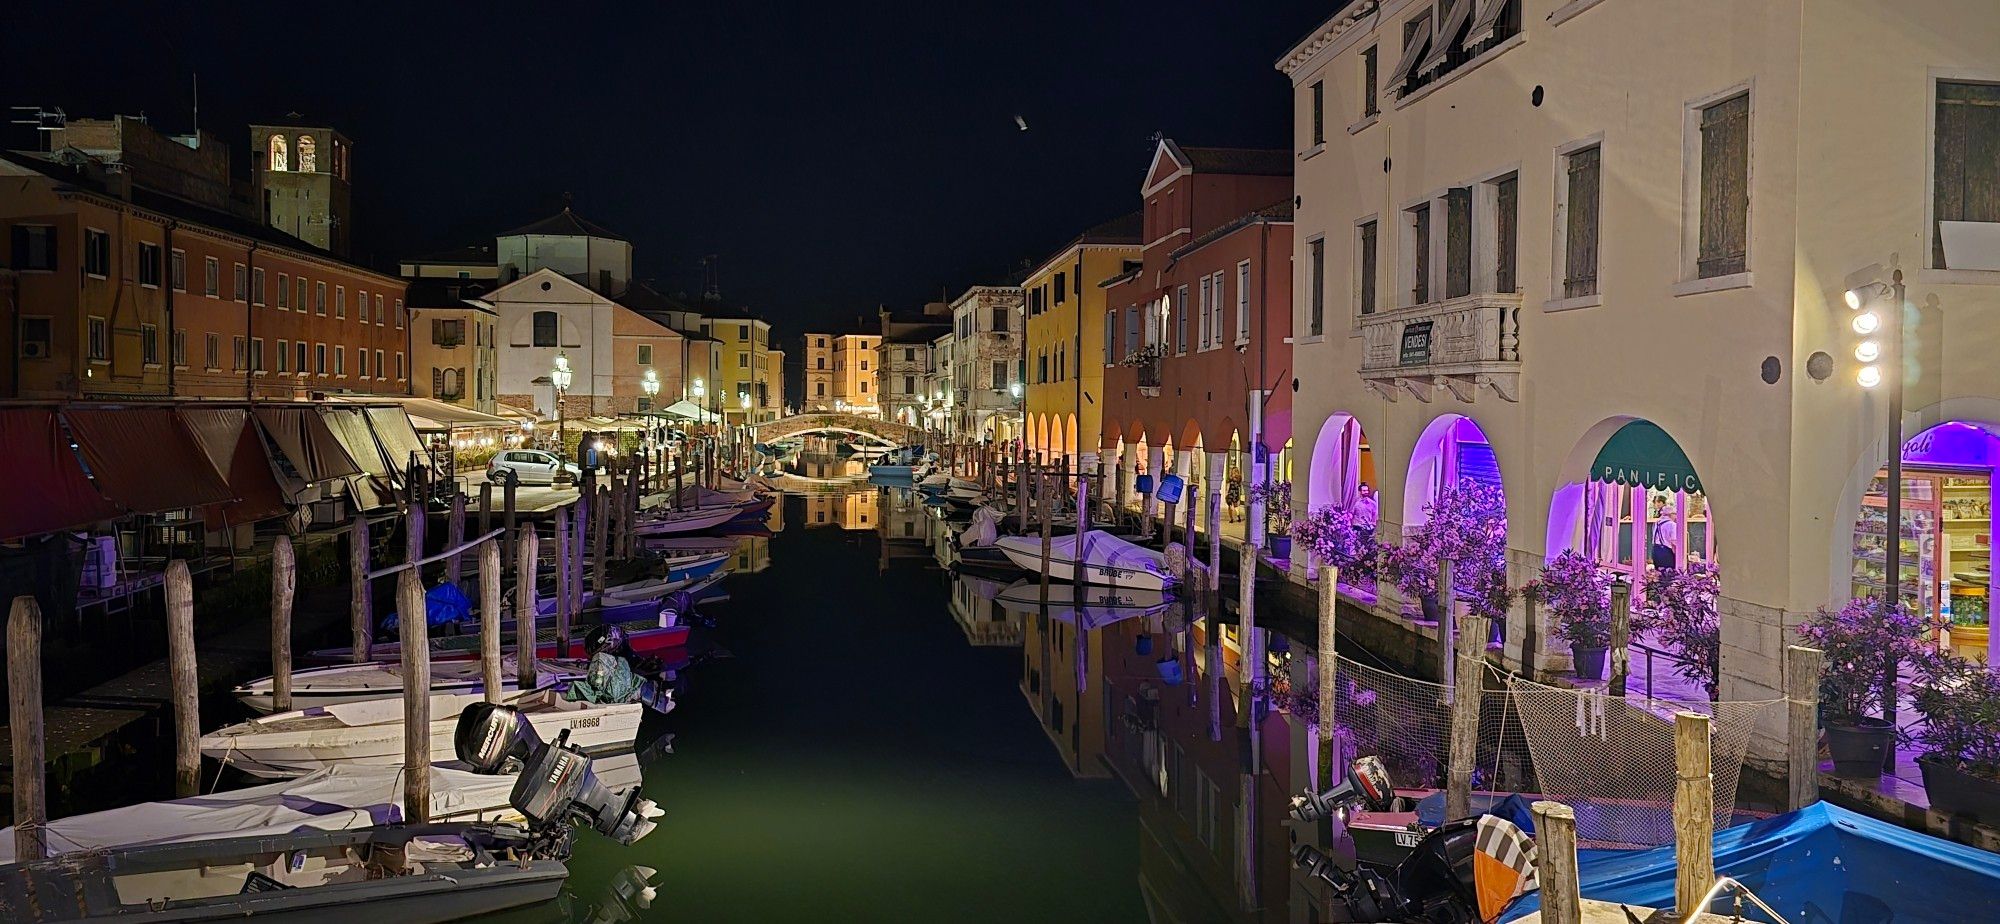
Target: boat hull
(319,687)
(1026,553)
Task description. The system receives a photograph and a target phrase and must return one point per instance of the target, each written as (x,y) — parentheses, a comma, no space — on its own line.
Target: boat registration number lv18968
(588,722)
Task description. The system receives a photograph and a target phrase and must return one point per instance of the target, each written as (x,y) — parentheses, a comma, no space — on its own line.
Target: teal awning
(1641,453)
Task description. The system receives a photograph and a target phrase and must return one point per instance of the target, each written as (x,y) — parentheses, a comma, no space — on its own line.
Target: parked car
(532,466)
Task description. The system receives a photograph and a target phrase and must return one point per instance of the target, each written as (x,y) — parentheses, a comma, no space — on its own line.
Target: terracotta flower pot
(1858,746)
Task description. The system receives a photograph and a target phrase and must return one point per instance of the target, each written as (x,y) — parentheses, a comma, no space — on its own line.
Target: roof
(1279,212)
(470,255)
(434,293)
(1125,229)
(180,209)
(1240,161)
(567,223)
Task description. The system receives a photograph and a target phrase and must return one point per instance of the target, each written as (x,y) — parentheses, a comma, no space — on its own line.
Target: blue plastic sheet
(443,604)
(1819,864)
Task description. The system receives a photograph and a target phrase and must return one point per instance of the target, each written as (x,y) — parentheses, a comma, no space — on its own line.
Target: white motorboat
(685,521)
(1107,560)
(353,683)
(296,743)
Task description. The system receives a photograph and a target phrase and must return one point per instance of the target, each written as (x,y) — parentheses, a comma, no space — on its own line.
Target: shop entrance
(1644,506)
(1946,536)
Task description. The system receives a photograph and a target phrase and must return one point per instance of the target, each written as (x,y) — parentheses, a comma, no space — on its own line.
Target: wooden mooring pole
(1621,637)
(1048,542)
(1329,675)
(1555,856)
(562,580)
(489,619)
(1470,677)
(525,614)
(284,576)
(1447,655)
(600,525)
(1802,675)
(1694,813)
(508,519)
(182,680)
(415,632)
(360,608)
(454,536)
(24,726)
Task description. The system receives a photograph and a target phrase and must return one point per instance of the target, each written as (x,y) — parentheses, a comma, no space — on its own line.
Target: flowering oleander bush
(1859,640)
(1959,700)
(1680,611)
(1150,353)
(1467,525)
(1277,499)
(1577,593)
(1332,534)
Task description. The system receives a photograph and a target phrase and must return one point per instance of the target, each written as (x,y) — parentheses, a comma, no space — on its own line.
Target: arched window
(279,160)
(308,155)
(448,383)
(545,328)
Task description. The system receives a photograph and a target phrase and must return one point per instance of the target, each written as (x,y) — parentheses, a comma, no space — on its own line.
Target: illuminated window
(308,155)
(279,159)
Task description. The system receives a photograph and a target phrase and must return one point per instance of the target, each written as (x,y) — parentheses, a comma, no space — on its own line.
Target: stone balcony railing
(1456,345)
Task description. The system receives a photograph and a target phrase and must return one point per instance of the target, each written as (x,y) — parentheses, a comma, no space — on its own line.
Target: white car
(531,466)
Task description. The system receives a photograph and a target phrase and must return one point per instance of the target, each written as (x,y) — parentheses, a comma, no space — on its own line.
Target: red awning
(237,452)
(51,492)
(145,460)
(307,445)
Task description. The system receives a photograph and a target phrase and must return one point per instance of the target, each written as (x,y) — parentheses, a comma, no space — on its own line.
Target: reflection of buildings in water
(753,554)
(984,621)
(860,510)
(1061,694)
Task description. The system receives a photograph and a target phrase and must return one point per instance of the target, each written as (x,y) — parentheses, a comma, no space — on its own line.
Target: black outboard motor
(555,785)
(1434,884)
(1367,784)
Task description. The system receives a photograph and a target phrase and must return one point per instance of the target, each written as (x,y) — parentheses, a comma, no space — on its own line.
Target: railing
(1149,372)
(1475,338)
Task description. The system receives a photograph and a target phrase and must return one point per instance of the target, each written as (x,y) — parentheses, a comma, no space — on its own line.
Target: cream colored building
(1520,232)
(856,378)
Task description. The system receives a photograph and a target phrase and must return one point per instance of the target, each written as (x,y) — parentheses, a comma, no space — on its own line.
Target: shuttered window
(1580,227)
(1457,242)
(1420,254)
(1967,167)
(1110,338)
(1369,104)
(1725,188)
(1319,111)
(1316,273)
(1367,268)
(1506,226)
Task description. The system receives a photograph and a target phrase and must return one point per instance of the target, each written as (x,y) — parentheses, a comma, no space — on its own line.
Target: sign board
(1416,347)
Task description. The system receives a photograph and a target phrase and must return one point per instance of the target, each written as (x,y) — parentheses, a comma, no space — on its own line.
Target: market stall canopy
(520,416)
(688,410)
(230,440)
(1642,454)
(397,437)
(308,446)
(34,451)
(375,486)
(427,414)
(145,459)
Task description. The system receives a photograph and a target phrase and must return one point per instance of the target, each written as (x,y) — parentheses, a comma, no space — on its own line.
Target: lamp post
(1866,300)
(560,378)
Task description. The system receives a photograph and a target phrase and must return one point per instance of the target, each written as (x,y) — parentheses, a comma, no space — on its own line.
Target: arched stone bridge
(874,428)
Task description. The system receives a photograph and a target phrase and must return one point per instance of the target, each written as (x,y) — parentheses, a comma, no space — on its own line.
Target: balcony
(1456,345)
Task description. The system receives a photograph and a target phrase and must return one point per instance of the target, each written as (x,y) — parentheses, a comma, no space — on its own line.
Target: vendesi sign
(1416,345)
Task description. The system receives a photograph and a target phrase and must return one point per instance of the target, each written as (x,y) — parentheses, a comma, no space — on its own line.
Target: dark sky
(833,155)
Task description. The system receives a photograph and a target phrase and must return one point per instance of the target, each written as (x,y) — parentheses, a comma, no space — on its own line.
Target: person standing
(1666,542)
(1367,510)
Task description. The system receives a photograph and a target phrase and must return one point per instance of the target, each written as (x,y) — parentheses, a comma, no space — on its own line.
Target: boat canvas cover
(336,798)
(1820,863)
(237,452)
(308,446)
(397,436)
(145,459)
(34,451)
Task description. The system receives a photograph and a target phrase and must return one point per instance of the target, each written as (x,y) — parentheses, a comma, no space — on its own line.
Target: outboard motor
(556,784)
(605,637)
(1367,783)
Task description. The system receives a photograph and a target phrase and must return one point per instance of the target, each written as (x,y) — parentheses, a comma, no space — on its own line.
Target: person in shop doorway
(1666,537)
(1366,510)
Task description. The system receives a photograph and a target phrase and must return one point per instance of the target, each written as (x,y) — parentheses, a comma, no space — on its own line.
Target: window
(645,353)
(1369,104)
(340,303)
(299,295)
(149,265)
(256,354)
(1316,278)
(211,277)
(1041,368)
(999,375)
(34,248)
(742,360)
(864,365)
(821,361)
(279,160)
(1966,163)
(99,340)
(1220,284)
(1506,231)
(361,363)
(1181,320)
(1243,301)
(743,332)
(178,347)
(149,344)
(361,306)
(381,368)
(1578,221)
(909,385)
(177,271)
(284,291)
(1062,287)
(545,328)
(308,155)
(1364,270)
(284,356)
(1416,40)
(400,374)
(257,286)
(302,354)
(1183,297)
(319,299)
(241,283)
(1000,319)
(1723,203)
(211,354)
(340,361)
(1417,222)
(864,386)
(819,389)
(447,332)
(1131,330)
(1457,242)
(96,253)
(378,311)
(399,311)
(319,359)
(1319,112)
(1111,337)
(241,354)
(909,354)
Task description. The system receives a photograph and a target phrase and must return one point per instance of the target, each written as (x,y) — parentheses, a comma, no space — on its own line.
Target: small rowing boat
(353,683)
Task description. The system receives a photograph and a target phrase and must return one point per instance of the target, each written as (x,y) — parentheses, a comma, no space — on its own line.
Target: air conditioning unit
(34,349)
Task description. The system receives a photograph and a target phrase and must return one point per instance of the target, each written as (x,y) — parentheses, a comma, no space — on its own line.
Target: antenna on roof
(196,75)
(711,278)
(45,121)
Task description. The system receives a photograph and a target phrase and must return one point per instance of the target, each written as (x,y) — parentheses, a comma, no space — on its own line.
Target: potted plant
(1412,566)
(1959,701)
(1465,524)
(1859,640)
(1680,610)
(1332,534)
(1277,499)
(1577,593)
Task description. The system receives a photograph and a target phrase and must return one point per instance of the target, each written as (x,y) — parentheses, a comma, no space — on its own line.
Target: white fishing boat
(1107,560)
(353,683)
(296,743)
(685,521)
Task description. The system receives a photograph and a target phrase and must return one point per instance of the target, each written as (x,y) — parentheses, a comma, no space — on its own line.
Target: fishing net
(1612,759)
(1407,724)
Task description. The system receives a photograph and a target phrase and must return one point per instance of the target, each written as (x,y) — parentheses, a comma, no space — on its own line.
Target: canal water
(857,756)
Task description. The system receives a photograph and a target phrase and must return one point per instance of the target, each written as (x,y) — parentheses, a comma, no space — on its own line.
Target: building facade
(939,395)
(854,373)
(301,182)
(1202,323)
(903,361)
(1607,249)
(986,359)
(818,378)
(1065,325)
(454,347)
(609,348)
(752,377)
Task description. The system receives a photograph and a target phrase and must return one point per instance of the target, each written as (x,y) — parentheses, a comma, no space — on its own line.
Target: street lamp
(1870,300)
(560,378)
(650,384)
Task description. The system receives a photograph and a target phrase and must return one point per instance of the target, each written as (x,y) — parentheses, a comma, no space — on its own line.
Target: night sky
(833,156)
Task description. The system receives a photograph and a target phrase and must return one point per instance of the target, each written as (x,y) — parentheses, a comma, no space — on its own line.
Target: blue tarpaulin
(443,604)
(1819,864)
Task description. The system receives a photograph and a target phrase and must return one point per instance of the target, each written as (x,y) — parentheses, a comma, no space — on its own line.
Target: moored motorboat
(353,683)
(652,641)
(1105,559)
(684,521)
(371,732)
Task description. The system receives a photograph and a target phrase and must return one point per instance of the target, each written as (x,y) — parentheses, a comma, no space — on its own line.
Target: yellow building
(855,377)
(818,381)
(1063,370)
(751,385)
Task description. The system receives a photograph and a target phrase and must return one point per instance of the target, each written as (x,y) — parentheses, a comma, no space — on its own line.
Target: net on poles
(1406,723)
(1612,760)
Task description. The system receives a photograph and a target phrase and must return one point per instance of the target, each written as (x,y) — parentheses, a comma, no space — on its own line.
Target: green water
(858,759)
